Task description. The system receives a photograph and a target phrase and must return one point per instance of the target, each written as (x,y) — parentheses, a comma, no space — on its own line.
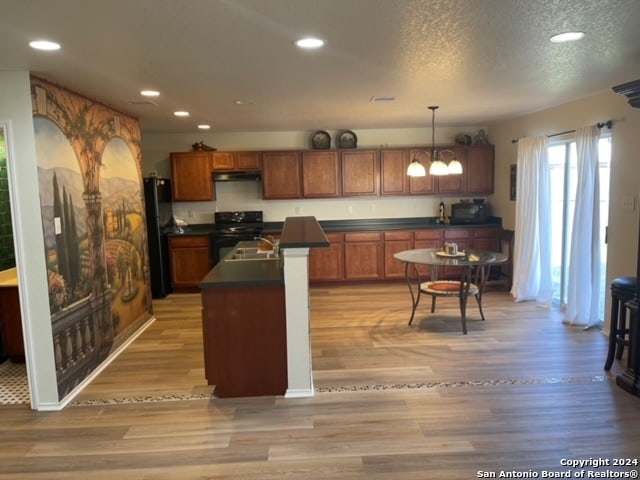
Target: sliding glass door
(563,168)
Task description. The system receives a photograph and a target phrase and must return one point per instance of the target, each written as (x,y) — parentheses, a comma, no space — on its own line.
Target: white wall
(15,113)
(248,196)
(625,166)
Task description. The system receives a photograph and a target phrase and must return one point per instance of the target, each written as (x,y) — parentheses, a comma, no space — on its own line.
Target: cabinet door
(431,238)
(190,260)
(486,239)
(448,184)
(480,169)
(393,172)
(327,264)
(461,236)
(191,177)
(281,175)
(320,174)
(359,172)
(248,160)
(223,161)
(421,185)
(363,256)
(395,242)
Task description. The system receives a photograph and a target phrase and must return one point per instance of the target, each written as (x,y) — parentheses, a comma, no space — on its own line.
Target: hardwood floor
(521,391)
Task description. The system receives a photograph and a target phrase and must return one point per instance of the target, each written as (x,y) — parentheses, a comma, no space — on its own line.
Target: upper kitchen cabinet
(359,172)
(320,174)
(236,161)
(393,172)
(480,169)
(281,175)
(449,184)
(191,177)
(421,185)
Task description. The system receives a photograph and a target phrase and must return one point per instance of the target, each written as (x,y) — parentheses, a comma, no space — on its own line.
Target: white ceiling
(479,60)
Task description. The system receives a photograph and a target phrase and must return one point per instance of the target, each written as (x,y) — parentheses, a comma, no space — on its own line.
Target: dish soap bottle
(441,212)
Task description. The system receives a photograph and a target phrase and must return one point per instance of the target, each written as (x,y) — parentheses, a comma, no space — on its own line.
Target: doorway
(563,173)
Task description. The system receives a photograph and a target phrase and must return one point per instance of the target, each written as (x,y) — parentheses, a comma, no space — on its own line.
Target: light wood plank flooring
(521,391)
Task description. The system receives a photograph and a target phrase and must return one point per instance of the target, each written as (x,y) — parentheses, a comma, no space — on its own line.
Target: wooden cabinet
(421,185)
(327,264)
(449,184)
(393,172)
(320,174)
(190,260)
(245,340)
(359,172)
(363,256)
(11,324)
(480,169)
(394,242)
(461,236)
(486,239)
(236,161)
(281,175)
(191,176)
(427,239)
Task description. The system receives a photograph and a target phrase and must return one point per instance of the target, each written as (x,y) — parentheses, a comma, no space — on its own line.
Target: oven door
(222,245)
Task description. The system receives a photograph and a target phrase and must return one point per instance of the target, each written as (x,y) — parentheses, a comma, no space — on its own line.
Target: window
(563,172)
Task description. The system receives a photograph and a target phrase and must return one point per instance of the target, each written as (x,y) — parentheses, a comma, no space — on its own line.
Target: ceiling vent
(382,99)
(143,102)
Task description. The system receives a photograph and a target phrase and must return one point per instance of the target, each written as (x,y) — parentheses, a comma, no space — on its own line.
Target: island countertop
(249,273)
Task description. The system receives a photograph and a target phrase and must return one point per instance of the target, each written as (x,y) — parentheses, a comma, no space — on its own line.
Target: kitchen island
(255,316)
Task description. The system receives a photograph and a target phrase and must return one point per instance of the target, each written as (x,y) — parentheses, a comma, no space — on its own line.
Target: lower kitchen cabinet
(363,259)
(327,264)
(394,242)
(426,239)
(190,260)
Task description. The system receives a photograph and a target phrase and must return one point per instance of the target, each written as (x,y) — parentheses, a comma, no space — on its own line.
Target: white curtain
(583,293)
(532,242)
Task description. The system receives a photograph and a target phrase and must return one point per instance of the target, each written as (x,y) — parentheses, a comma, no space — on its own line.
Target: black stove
(233,227)
(238,223)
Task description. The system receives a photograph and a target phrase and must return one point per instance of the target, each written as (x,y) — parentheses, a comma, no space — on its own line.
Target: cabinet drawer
(189,241)
(453,234)
(362,237)
(404,235)
(434,234)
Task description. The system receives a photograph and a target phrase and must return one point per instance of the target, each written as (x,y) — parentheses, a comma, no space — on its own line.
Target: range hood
(237,176)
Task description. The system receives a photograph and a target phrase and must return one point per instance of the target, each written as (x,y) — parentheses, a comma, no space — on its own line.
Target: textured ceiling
(479,60)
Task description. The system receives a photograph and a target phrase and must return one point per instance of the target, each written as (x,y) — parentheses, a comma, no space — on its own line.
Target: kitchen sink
(245,256)
(245,250)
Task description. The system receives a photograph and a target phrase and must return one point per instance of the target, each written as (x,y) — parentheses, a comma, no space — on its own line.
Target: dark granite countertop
(302,232)
(244,273)
(383,224)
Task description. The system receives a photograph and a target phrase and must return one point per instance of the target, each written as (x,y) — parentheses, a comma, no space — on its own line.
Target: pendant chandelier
(438,164)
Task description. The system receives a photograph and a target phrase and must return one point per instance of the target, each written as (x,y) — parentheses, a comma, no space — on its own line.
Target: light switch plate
(629,202)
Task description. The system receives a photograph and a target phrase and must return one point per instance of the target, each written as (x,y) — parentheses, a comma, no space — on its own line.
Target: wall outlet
(349,208)
(298,210)
(629,202)
(191,214)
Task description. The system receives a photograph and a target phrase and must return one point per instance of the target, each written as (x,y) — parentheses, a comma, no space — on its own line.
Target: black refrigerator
(159,213)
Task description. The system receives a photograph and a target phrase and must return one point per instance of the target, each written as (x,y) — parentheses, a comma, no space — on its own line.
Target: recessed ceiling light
(44,45)
(181,113)
(204,127)
(310,42)
(567,37)
(243,102)
(150,93)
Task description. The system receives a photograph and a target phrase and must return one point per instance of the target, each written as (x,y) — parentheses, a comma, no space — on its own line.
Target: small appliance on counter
(469,213)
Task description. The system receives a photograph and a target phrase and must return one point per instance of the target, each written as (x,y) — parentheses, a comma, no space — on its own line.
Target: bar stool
(622,290)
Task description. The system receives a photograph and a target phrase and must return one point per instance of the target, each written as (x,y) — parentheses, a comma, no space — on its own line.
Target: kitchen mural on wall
(90,183)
